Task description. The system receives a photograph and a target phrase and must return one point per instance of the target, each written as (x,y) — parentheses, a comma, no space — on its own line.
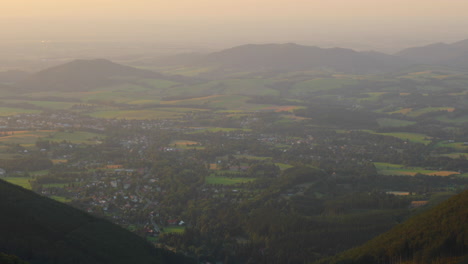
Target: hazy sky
(360,23)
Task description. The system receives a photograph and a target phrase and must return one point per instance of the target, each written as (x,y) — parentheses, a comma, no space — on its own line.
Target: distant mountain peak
(81,75)
(292,57)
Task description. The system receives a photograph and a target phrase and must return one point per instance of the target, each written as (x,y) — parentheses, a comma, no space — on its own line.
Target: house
(172,222)
(2,172)
(416,204)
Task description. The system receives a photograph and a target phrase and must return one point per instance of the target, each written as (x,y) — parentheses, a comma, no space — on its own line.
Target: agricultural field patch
(227,180)
(320,84)
(218,129)
(454,155)
(456,120)
(11,111)
(20,181)
(150,114)
(398,169)
(29,138)
(418,112)
(459,146)
(61,199)
(403,111)
(283,108)
(173,229)
(413,137)
(185,144)
(391,122)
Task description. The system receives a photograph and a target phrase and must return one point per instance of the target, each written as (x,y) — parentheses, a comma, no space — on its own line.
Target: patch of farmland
(412,137)
(398,169)
(227,180)
(391,122)
(20,181)
(11,111)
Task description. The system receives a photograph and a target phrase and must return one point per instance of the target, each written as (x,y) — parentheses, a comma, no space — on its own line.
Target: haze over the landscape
(234,132)
(361,24)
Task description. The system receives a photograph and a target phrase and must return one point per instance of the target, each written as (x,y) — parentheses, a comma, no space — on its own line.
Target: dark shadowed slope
(84,75)
(293,57)
(439,235)
(40,230)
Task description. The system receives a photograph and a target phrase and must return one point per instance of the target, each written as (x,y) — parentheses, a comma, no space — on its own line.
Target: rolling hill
(41,230)
(454,55)
(439,235)
(85,75)
(294,57)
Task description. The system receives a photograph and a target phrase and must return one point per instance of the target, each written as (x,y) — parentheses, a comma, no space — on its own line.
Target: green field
(61,199)
(454,155)
(20,181)
(418,112)
(227,180)
(413,137)
(398,169)
(321,84)
(218,129)
(458,146)
(29,138)
(390,122)
(10,111)
(137,114)
(173,229)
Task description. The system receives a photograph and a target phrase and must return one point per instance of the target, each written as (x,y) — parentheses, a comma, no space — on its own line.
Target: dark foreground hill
(294,57)
(40,230)
(439,235)
(85,75)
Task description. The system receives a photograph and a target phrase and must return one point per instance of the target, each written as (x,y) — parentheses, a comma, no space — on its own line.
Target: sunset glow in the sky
(235,21)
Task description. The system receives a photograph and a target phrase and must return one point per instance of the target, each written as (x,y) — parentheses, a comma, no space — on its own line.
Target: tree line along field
(29,138)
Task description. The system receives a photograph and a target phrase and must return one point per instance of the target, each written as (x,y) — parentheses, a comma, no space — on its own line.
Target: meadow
(227,180)
(413,137)
(20,181)
(29,138)
(398,169)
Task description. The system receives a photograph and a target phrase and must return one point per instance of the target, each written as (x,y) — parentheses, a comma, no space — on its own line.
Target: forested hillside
(439,235)
(40,230)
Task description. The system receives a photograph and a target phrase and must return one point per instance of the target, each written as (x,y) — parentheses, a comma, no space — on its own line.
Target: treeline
(435,236)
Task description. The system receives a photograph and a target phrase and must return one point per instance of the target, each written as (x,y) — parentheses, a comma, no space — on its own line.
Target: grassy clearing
(458,120)
(11,111)
(61,199)
(29,138)
(20,181)
(137,114)
(390,122)
(48,104)
(398,169)
(454,155)
(173,229)
(321,84)
(283,166)
(251,157)
(283,108)
(227,180)
(412,137)
(426,110)
(403,111)
(458,146)
(218,129)
(186,144)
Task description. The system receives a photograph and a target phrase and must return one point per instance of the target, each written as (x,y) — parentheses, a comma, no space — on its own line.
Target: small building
(2,172)
(416,204)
